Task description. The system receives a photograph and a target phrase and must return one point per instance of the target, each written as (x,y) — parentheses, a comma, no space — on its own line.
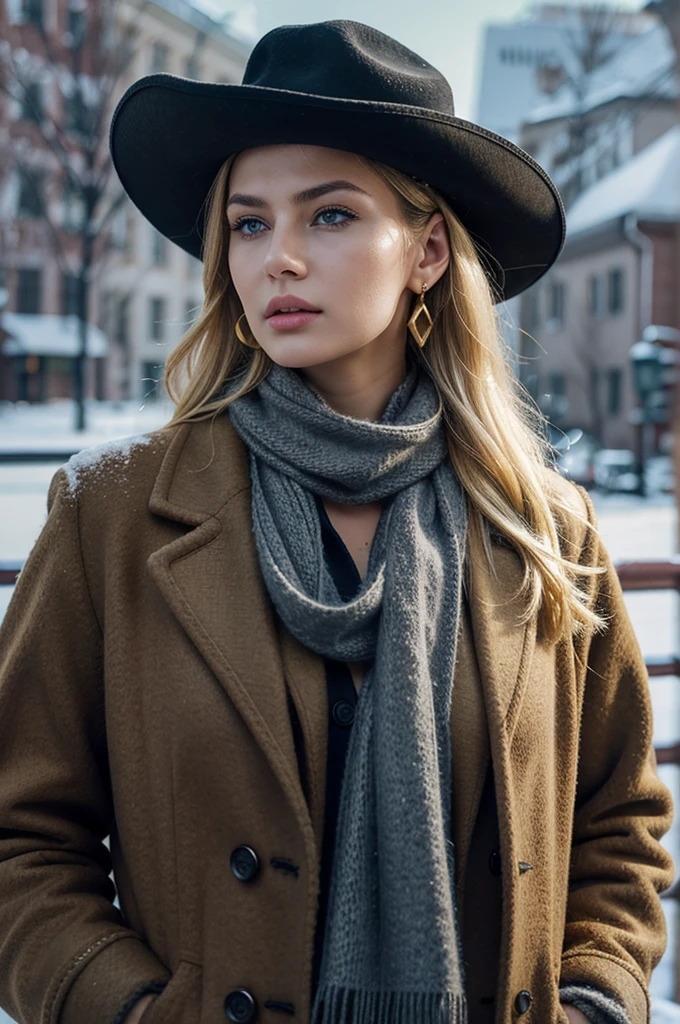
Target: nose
(285,253)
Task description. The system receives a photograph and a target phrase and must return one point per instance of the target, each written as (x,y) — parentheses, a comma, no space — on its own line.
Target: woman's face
(313,223)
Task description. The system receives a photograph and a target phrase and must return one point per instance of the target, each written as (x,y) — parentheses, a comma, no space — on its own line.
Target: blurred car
(576,456)
(616,470)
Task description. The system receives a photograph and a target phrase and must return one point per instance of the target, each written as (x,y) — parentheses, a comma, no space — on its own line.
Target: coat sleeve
(597,1006)
(615,932)
(66,954)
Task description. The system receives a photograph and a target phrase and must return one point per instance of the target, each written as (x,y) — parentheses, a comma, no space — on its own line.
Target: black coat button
(495,863)
(240,1006)
(523,1001)
(244,863)
(343,713)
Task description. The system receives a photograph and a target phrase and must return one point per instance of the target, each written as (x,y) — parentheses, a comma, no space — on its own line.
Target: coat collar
(211,580)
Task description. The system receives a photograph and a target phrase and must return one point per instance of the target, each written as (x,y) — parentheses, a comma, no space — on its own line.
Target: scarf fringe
(340,1005)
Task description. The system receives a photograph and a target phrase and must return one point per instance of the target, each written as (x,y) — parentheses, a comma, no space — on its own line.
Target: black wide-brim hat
(344,85)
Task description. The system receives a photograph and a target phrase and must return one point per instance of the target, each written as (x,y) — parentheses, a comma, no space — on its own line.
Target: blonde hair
(496,441)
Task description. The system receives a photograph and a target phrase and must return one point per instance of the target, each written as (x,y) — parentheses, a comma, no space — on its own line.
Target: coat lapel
(211,579)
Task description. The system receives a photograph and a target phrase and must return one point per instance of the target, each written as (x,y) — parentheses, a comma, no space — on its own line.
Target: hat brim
(169,136)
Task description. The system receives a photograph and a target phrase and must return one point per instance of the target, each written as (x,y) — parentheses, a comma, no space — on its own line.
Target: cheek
(371,276)
(245,271)
(238,267)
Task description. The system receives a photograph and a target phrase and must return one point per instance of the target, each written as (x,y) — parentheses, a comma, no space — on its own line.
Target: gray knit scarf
(391,948)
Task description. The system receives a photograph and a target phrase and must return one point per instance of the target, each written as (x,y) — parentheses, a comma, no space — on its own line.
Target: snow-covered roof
(48,335)
(648,185)
(643,65)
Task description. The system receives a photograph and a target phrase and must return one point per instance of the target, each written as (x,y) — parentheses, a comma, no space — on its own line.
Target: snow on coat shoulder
(104,459)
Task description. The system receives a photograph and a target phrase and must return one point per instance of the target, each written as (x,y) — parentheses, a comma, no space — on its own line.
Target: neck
(354,386)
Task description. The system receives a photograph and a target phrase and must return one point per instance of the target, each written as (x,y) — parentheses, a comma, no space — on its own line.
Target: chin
(300,356)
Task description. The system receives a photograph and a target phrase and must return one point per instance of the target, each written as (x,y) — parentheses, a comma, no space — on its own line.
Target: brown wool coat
(142,695)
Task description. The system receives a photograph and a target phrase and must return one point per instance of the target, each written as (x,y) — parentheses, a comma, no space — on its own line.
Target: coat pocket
(180,1000)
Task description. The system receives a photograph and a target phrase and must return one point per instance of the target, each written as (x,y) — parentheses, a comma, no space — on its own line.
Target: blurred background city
(93,298)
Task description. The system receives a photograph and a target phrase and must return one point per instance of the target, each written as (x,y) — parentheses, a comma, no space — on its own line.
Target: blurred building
(151,292)
(613,149)
(616,276)
(146,290)
(586,128)
(594,99)
(579,122)
(509,86)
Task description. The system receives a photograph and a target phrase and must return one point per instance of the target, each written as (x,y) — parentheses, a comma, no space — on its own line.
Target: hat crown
(346,60)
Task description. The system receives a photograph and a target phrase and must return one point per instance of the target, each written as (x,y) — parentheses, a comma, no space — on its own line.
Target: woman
(344,560)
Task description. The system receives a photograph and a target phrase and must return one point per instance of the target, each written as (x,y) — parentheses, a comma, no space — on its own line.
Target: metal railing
(648,575)
(9,572)
(653,576)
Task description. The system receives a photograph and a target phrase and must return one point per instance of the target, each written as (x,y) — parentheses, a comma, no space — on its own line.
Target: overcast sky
(447,33)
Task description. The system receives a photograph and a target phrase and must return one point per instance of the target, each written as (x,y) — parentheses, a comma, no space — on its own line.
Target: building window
(29,290)
(123,229)
(32,12)
(192,67)
(130,228)
(152,375)
(596,295)
(76,118)
(157,319)
(594,386)
(614,383)
(556,302)
(530,58)
(70,305)
(32,103)
(531,383)
(60,364)
(558,385)
(615,292)
(107,307)
(73,206)
(122,326)
(75,23)
(159,58)
(191,310)
(119,228)
(159,249)
(533,310)
(31,193)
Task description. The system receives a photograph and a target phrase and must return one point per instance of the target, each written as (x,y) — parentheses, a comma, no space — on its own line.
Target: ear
(434,252)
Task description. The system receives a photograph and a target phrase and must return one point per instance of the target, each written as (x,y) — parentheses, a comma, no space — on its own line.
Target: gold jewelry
(250,342)
(412,326)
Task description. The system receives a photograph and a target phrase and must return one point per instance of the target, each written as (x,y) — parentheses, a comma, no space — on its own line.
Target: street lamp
(647,367)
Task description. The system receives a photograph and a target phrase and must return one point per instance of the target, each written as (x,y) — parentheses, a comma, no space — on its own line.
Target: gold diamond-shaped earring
(420,307)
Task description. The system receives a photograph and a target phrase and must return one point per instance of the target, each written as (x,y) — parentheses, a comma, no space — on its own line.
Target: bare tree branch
(89,60)
(591,46)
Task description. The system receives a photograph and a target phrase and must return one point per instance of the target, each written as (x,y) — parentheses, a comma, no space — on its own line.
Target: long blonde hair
(496,441)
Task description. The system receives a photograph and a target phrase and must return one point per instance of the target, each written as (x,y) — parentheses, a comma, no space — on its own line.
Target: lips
(289,302)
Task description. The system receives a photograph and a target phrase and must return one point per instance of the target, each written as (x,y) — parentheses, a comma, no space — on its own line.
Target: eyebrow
(306,196)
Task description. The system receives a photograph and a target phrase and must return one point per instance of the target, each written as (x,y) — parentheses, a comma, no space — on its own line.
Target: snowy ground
(632,528)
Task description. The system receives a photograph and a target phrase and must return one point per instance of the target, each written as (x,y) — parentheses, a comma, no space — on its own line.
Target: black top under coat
(342,698)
